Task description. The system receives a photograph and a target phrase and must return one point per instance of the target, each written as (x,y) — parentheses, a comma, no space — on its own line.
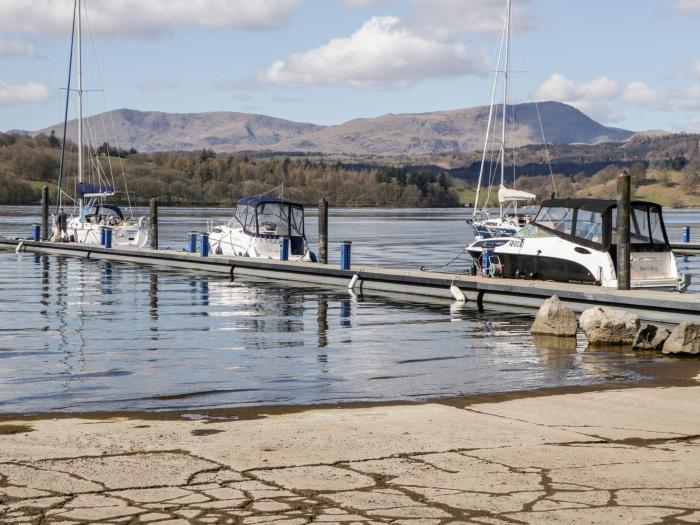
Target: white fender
(142,222)
(19,247)
(457,294)
(353,282)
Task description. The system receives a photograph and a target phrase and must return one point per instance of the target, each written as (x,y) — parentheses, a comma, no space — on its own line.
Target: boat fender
(312,257)
(457,294)
(353,282)
(218,250)
(20,246)
(142,222)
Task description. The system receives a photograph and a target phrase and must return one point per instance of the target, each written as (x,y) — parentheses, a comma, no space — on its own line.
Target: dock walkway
(655,306)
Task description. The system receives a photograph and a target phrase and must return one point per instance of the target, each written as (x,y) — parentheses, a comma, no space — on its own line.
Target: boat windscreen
(273,219)
(556,218)
(589,226)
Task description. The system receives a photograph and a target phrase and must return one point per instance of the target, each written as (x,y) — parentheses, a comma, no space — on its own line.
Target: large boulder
(608,326)
(650,337)
(555,318)
(685,339)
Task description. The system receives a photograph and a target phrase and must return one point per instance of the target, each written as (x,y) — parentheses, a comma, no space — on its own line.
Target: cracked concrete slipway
(628,456)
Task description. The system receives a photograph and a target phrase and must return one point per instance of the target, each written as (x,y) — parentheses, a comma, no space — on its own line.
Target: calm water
(86,335)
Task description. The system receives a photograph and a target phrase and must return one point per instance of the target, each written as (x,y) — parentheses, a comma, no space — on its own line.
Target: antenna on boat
(81,199)
(59,195)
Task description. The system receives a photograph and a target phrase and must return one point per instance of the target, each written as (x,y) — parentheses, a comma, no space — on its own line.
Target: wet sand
(622,455)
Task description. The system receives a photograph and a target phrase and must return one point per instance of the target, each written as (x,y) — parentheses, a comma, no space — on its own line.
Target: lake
(79,335)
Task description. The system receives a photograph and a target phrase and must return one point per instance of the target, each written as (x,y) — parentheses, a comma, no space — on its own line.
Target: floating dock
(686,248)
(655,306)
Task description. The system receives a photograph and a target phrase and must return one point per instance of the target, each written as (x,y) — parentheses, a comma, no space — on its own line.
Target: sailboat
(91,211)
(509,220)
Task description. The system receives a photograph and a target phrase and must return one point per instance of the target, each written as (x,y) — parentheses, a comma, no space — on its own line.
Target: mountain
(389,135)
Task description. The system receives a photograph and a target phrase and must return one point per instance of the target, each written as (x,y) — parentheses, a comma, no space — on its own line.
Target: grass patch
(9,429)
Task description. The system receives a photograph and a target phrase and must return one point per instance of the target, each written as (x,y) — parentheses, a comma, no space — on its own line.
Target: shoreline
(675,373)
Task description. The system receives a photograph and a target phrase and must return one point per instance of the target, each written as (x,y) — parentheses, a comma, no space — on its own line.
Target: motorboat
(258,227)
(94,182)
(575,241)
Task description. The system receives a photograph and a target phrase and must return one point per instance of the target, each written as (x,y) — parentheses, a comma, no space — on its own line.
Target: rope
(427,269)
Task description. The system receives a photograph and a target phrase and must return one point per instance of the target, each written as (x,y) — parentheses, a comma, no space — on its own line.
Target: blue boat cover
(255,201)
(85,188)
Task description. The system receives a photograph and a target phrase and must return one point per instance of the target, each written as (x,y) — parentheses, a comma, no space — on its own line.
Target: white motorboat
(575,241)
(91,213)
(258,227)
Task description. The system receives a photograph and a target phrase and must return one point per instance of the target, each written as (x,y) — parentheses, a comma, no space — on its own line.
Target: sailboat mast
(81,200)
(487,138)
(506,71)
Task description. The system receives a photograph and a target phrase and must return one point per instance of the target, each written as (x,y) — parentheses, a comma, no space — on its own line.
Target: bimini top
(255,201)
(601,206)
(593,222)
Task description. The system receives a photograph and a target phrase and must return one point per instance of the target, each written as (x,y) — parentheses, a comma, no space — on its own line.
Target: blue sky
(626,63)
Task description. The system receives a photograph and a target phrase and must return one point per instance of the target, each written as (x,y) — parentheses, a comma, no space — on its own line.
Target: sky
(626,63)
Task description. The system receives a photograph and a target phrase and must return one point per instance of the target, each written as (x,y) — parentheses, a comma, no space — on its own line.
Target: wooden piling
(323,231)
(45,213)
(154,224)
(623,230)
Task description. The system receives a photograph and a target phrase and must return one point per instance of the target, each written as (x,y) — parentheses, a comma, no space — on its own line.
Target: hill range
(419,134)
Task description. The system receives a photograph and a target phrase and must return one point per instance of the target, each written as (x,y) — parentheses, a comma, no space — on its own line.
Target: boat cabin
(272,218)
(593,223)
(104,214)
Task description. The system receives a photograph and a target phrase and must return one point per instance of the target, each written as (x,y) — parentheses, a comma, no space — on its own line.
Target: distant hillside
(434,133)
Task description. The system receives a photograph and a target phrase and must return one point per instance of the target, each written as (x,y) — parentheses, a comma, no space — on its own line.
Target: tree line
(207,178)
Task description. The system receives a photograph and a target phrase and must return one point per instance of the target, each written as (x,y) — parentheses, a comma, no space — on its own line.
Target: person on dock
(62,224)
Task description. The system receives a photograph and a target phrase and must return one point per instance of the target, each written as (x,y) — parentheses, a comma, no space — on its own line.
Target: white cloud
(18,49)
(603,98)
(155,86)
(383,53)
(449,19)
(143,18)
(11,94)
(686,6)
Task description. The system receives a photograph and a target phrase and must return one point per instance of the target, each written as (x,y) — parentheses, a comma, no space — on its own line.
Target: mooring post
(284,249)
(45,213)
(154,224)
(345,255)
(623,230)
(686,233)
(204,244)
(323,231)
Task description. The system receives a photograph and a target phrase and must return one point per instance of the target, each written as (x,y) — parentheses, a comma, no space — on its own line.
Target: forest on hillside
(207,178)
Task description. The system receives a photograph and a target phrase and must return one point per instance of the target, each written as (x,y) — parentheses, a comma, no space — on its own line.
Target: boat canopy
(86,189)
(270,217)
(593,222)
(510,195)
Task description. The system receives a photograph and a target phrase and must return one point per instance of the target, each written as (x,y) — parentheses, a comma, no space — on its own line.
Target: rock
(554,318)
(685,339)
(609,326)
(650,337)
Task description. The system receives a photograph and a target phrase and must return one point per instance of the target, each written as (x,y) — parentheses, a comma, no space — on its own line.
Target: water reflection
(84,335)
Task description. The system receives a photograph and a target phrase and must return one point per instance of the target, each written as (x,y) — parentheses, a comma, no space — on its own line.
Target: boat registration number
(517,243)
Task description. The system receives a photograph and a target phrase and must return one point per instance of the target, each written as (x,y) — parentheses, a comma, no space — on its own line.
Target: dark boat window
(589,226)
(639,226)
(297,222)
(657,229)
(557,219)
